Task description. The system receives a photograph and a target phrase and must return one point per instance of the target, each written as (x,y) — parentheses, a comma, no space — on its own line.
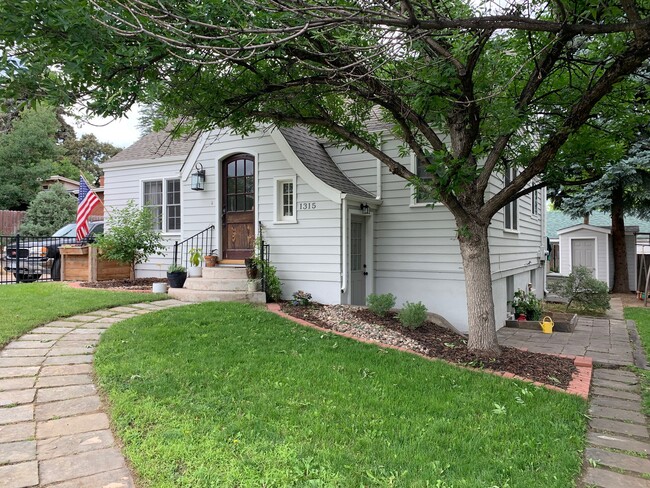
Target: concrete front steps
(226,283)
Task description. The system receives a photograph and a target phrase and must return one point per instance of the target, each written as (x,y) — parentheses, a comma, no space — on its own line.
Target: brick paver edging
(579,384)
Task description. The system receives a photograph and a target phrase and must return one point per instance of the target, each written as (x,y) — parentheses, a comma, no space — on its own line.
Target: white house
(339,225)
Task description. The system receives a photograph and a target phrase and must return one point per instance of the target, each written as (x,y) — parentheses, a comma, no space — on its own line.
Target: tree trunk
(474,249)
(621,277)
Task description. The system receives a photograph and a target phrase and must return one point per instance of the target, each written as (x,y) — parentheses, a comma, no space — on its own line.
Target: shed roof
(556,220)
(316,159)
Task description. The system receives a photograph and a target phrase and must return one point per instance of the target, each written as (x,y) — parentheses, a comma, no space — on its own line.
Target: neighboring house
(339,225)
(72,187)
(590,244)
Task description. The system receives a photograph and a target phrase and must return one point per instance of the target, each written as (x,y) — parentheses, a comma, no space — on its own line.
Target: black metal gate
(29,259)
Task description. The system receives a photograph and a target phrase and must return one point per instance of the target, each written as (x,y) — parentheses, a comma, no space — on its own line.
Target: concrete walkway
(618,442)
(53,429)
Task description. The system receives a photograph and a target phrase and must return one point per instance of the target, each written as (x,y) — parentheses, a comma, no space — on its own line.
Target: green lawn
(27,305)
(642,318)
(227,395)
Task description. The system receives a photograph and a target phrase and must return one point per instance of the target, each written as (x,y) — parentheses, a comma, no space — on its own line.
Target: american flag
(87,201)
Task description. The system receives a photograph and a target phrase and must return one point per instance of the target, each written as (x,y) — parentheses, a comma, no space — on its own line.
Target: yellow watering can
(547,325)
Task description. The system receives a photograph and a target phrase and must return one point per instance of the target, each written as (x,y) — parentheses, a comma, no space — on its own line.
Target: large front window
(163,199)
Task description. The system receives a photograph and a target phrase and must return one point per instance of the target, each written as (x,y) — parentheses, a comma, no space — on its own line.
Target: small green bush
(273,283)
(380,304)
(413,315)
(582,289)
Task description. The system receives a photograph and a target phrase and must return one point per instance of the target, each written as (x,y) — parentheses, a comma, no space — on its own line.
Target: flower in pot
(176,276)
(195,259)
(211,259)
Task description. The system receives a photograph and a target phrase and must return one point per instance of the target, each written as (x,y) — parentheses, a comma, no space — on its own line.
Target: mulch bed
(443,343)
(139,284)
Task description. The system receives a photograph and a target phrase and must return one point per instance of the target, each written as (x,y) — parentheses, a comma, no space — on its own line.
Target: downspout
(344,246)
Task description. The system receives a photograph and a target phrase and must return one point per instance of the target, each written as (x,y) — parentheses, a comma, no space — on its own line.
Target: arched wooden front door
(238,206)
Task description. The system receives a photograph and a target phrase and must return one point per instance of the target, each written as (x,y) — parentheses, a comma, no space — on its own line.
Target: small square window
(285,200)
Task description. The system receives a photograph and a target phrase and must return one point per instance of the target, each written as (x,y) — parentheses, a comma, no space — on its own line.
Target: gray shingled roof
(556,220)
(156,145)
(315,158)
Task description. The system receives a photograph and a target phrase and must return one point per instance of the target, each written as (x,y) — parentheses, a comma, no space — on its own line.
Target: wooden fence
(10,220)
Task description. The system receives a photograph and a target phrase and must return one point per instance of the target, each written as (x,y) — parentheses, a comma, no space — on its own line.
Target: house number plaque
(307,206)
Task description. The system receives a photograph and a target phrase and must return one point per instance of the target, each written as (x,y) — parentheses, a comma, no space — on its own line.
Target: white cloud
(120,132)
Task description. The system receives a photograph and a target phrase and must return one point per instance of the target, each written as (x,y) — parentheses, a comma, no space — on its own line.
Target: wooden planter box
(563,322)
(81,263)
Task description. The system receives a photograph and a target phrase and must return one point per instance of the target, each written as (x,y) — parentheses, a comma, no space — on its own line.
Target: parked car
(35,256)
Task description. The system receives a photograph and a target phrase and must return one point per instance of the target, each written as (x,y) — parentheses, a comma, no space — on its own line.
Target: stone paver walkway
(618,441)
(53,430)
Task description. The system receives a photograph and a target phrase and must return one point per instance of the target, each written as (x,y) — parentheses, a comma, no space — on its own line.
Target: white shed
(591,246)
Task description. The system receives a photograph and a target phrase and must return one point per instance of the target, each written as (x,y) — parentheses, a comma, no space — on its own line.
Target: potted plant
(526,305)
(211,259)
(195,262)
(251,268)
(176,276)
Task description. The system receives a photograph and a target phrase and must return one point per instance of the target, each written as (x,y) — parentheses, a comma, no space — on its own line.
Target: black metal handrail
(201,241)
(265,251)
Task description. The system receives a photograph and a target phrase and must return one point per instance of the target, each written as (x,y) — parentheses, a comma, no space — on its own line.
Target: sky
(120,132)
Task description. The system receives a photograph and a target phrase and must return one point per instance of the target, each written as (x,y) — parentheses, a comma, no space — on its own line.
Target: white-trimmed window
(510,216)
(285,200)
(163,199)
(420,198)
(534,203)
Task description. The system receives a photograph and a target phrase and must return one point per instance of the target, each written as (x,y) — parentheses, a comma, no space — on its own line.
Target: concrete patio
(618,441)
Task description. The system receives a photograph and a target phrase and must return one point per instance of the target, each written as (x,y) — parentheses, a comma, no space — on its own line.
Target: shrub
(130,237)
(413,315)
(528,304)
(301,298)
(175,268)
(581,288)
(49,211)
(272,282)
(380,304)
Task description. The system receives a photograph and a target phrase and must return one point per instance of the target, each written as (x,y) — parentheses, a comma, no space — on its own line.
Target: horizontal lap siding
(124,184)
(359,167)
(601,250)
(306,254)
(417,257)
(513,252)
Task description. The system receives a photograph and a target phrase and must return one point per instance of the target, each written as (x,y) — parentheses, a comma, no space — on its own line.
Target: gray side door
(358,260)
(583,253)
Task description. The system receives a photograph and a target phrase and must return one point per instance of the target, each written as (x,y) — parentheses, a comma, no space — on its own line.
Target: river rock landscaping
(434,341)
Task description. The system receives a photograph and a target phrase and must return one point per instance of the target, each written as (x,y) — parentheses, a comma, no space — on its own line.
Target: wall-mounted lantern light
(365,209)
(198,177)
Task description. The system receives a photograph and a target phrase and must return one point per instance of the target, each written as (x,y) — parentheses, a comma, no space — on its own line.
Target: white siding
(602,251)
(417,257)
(360,167)
(513,252)
(307,253)
(125,183)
